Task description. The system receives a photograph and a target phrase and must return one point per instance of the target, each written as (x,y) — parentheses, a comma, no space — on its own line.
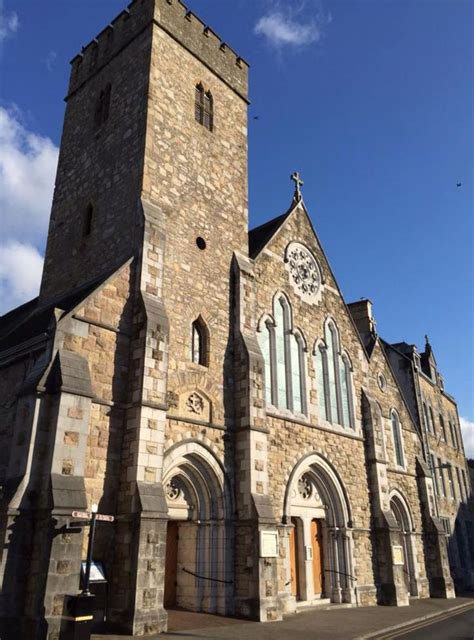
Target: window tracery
(334,379)
(283,351)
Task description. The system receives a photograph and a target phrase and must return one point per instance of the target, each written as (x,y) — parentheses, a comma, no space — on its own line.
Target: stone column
(336,595)
(137,586)
(308,582)
(348,593)
(256,578)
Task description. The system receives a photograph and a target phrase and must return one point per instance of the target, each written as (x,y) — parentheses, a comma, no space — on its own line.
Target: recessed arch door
(317,548)
(171,564)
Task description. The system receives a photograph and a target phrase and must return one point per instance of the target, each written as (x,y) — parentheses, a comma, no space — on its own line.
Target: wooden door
(316,543)
(294,559)
(171,564)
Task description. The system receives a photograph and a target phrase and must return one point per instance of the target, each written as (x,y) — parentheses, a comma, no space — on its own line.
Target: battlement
(181,24)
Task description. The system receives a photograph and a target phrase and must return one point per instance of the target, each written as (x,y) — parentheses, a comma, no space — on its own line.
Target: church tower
(156,110)
(150,205)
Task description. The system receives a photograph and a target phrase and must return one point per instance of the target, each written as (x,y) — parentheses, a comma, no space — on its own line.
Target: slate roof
(259,236)
(35,320)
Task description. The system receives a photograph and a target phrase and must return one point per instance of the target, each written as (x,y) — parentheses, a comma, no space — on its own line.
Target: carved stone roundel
(172,490)
(304,270)
(195,403)
(304,487)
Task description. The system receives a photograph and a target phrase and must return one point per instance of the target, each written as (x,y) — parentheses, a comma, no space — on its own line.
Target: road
(457,626)
(332,624)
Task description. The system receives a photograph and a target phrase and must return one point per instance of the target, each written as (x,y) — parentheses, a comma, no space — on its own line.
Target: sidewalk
(331,624)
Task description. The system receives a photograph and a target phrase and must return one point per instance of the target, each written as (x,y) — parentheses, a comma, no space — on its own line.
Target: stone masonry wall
(289,440)
(102,167)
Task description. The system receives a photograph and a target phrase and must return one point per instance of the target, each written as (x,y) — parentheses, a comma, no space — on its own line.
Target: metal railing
(196,575)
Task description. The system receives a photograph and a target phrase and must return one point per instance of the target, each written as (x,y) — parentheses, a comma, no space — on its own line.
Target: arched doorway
(320,539)
(199,562)
(403,518)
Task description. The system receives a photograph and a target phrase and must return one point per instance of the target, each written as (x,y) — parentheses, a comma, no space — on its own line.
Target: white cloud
(8,23)
(292,26)
(50,60)
(467,428)
(20,274)
(27,170)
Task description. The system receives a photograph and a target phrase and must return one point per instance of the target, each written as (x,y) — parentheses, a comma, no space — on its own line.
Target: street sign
(88,516)
(100,516)
(81,514)
(91,518)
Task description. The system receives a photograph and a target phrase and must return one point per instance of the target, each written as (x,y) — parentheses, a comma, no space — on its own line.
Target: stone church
(261,447)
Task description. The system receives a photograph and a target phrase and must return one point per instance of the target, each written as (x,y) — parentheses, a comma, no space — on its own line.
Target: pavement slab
(330,624)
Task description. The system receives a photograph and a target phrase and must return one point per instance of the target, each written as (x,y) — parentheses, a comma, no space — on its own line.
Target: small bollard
(78,617)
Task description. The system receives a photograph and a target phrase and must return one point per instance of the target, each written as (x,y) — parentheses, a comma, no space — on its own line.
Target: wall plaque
(269,544)
(397,554)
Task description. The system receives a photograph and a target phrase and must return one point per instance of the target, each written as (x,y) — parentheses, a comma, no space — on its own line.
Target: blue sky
(372,101)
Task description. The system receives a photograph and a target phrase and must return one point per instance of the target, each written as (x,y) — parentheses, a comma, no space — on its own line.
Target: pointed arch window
(334,380)
(283,351)
(88,220)
(346,392)
(102,107)
(322,382)
(282,359)
(434,474)
(425,418)
(432,423)
(443,428)
(397,439)
(200,343)
(204,107)
(454,435)
(298,373)
(267,346)
(333,374)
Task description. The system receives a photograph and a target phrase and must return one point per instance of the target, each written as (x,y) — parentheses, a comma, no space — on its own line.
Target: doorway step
(321,605)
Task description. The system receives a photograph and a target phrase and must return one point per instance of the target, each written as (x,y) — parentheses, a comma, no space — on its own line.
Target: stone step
(321,605)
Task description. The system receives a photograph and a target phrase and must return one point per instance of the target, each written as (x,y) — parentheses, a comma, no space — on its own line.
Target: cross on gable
(295,176)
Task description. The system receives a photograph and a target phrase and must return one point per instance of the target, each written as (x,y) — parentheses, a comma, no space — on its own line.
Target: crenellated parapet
(181,24)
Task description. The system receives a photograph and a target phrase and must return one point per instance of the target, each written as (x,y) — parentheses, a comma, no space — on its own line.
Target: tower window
(88,218)
(204,107)
(200,343)
(102,107)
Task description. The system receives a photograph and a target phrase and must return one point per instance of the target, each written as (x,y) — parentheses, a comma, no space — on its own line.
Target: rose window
(304,270)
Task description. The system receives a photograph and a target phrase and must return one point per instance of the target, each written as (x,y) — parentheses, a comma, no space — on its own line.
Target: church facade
(261,448)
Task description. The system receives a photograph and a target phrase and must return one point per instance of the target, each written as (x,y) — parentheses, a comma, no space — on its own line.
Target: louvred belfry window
(203,107)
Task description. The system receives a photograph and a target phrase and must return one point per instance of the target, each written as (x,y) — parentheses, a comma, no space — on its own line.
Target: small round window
(381,381)
(201,243)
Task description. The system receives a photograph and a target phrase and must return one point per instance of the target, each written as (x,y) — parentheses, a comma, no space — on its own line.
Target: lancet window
(283,350)
(204,107)
(397,439)
(102,107)
(334,379)
(200,343)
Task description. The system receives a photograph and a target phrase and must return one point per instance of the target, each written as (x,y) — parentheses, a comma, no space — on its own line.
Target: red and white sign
(100,516)
(86,515)
(82,514)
